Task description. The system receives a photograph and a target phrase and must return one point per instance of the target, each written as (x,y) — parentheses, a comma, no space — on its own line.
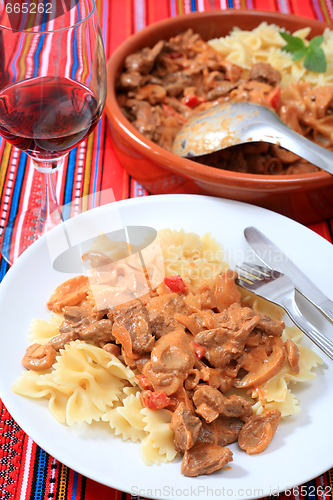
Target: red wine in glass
(52,94)
(47,116)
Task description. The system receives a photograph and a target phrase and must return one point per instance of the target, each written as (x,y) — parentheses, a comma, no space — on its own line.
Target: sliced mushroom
(39,357)
(257,433)
(269,367)
(293,355)
(69,293)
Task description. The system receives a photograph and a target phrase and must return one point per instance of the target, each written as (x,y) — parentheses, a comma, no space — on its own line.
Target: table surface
(27,471)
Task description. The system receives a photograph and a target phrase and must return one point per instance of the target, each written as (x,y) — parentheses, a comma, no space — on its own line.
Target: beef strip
(59,341)
(134,317)
(162,310)
(222,431)
(75,318)
(214,377)
(263,72)
(99,332)
(210,403)
(207,400)
(147,117)
(227,342)
(130,80)
(270,326)
(204,458)
(178,106)
(176,82)
(236,406)
(186,427)
(222,88)
(196,322)
(143,61)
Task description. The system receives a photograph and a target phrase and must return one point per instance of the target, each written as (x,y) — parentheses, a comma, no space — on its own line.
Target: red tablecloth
(26,471)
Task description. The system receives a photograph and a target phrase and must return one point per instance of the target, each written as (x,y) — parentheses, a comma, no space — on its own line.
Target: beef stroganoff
(160,88)
(188,366)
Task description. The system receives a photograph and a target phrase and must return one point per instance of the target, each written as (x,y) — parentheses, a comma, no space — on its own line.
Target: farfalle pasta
(126,419)
(41,331)
(84,383)
(264,44)
(158,445)
(184,366)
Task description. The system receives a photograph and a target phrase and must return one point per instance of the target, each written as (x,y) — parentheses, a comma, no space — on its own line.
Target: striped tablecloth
(26,471)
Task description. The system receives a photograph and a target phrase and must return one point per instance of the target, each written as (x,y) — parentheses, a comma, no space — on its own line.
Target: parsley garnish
(314,55)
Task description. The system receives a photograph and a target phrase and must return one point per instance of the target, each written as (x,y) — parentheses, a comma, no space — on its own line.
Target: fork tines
(250,271)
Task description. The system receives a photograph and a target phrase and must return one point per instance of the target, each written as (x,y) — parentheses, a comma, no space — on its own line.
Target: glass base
(23,230)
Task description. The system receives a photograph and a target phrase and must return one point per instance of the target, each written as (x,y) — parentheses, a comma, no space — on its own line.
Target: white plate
(301,449)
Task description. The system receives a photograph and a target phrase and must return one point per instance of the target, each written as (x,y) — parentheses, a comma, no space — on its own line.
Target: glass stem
(50,214)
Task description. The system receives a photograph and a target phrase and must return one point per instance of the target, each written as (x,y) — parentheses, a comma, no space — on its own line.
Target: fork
(279,289)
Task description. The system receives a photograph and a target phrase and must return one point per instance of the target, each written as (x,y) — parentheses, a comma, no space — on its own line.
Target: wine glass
(52,93)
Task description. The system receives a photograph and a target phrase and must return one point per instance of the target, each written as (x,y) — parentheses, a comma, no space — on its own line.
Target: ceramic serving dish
(306,198)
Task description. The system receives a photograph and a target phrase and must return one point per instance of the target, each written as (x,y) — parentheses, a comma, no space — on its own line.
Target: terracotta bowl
(306,198)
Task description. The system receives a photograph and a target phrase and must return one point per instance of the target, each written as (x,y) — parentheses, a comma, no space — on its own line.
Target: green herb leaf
(293,42)
(316,41)
(315,60)
(299,54)
(314,55)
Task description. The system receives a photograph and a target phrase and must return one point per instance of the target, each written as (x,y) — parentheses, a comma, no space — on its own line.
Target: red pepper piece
(144,382)
(199,350)
(175,283)
(191,100)
(170,111)
(155,400)
(274,98)
(176,55)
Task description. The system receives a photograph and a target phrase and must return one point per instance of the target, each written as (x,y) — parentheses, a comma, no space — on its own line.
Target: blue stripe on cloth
(18,185)
(75,65)
(283,4)
(311,489)
(13,208)
(15,200)
(39,46)
(194,5)
(74,486)
(140,15)
(173,8)
(98,130)
(37,54)
(317,10)
(18,53)
(3,269)
(230,4)
(68,191)
(41,472)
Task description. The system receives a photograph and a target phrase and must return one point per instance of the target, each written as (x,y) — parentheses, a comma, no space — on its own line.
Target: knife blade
(274,258)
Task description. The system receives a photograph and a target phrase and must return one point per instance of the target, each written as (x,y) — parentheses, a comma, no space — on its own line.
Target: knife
(274,258)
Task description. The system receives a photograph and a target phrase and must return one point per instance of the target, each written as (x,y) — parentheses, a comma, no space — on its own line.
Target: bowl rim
(186,168)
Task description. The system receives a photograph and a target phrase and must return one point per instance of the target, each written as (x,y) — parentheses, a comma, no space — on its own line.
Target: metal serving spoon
(234,123)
